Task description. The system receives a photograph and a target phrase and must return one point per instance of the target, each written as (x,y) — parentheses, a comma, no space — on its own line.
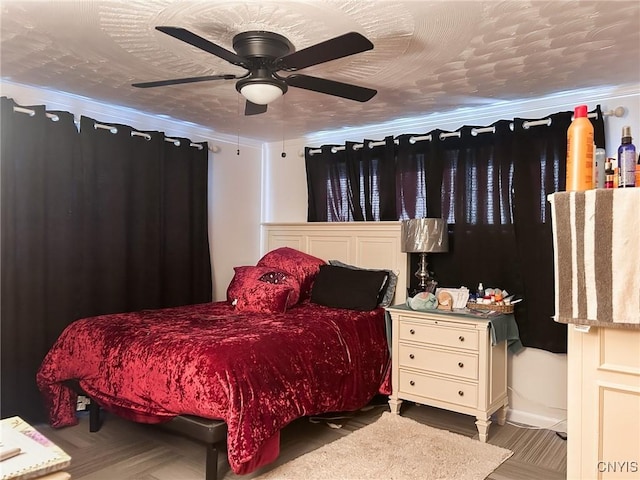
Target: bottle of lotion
(626,160)
(580,151)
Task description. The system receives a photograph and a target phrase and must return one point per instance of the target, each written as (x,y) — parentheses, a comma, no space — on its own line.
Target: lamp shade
(261,93)
(424,235)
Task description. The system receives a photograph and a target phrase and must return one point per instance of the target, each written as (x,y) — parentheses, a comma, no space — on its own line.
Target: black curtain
(40,247)
(121,224)
(378,167)
(411,183)
(145,234)
(354,182)
(539,159)
(475,191)
(328,196)
(358,192)
(97,221)
(185,266)
(491,185)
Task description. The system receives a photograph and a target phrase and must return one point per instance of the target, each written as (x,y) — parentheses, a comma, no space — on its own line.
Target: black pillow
(341,287)
(385,297)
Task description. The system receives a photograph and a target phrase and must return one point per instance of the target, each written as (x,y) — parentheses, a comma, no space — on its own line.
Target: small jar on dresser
(447,360)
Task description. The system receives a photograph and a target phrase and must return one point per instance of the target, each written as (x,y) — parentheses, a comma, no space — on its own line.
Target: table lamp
(424,235)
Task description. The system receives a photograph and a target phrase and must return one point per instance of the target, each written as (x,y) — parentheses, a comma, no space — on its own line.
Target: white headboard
(364,244)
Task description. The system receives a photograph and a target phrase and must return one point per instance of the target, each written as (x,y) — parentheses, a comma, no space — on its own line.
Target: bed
(293,339)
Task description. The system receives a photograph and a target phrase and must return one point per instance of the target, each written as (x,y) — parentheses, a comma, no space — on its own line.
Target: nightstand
(447,360)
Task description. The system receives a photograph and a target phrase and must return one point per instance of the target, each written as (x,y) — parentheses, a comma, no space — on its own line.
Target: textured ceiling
(428,56)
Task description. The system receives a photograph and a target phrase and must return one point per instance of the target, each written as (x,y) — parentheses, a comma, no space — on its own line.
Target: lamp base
(425,284)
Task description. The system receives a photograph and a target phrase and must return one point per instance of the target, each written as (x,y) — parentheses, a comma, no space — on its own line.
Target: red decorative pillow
(301,265)
(263,290)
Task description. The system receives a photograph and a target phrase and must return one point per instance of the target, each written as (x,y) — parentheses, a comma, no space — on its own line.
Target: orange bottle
(580,151)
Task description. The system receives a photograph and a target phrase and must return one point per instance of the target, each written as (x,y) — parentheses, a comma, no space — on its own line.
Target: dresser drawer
(442,389)
(459,364)
(439,335)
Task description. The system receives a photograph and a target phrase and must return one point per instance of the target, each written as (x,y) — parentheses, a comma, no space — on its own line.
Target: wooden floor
(123,450)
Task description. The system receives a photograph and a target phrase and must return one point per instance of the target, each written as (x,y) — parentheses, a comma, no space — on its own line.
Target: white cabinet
(446,360)
(603,423)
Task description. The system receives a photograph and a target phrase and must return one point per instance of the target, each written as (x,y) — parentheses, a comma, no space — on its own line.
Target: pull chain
(283,154)
(238,130)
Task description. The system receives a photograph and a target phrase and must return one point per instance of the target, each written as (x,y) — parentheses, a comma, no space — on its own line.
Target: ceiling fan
(263,54)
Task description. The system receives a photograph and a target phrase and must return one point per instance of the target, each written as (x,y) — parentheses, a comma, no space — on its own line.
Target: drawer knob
(460,364)
(412,356)
(412,331)
(412,383)
(461,393)
(461,338)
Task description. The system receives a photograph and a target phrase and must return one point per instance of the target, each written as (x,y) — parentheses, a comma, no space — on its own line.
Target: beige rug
(395,448)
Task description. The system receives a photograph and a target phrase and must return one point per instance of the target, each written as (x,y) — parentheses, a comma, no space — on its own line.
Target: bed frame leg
(211,465)
(94,416)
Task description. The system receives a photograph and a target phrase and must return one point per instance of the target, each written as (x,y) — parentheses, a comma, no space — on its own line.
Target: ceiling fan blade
(254,109)
(203,44)
(331,87)
(177,81)
(338,47)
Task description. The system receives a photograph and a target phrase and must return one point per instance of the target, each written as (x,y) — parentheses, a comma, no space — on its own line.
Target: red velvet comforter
(256,372)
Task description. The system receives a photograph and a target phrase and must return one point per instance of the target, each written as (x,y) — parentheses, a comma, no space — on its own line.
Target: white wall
(285,183)
(234,212)
(537,379)
(234,180)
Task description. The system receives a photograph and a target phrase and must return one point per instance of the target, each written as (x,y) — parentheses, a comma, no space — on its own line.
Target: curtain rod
(113,129)
(617,112)
(146,136)
(414,139)
(31,113)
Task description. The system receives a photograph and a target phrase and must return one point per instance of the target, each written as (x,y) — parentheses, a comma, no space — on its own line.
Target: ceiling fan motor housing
(259,44)
(261,49)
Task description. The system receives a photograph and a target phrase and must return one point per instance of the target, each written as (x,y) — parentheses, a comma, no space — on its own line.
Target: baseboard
(537,421)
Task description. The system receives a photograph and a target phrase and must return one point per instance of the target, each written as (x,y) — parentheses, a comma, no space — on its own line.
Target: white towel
(596,240)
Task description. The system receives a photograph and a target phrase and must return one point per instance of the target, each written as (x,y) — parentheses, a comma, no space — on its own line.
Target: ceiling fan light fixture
(261,91)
